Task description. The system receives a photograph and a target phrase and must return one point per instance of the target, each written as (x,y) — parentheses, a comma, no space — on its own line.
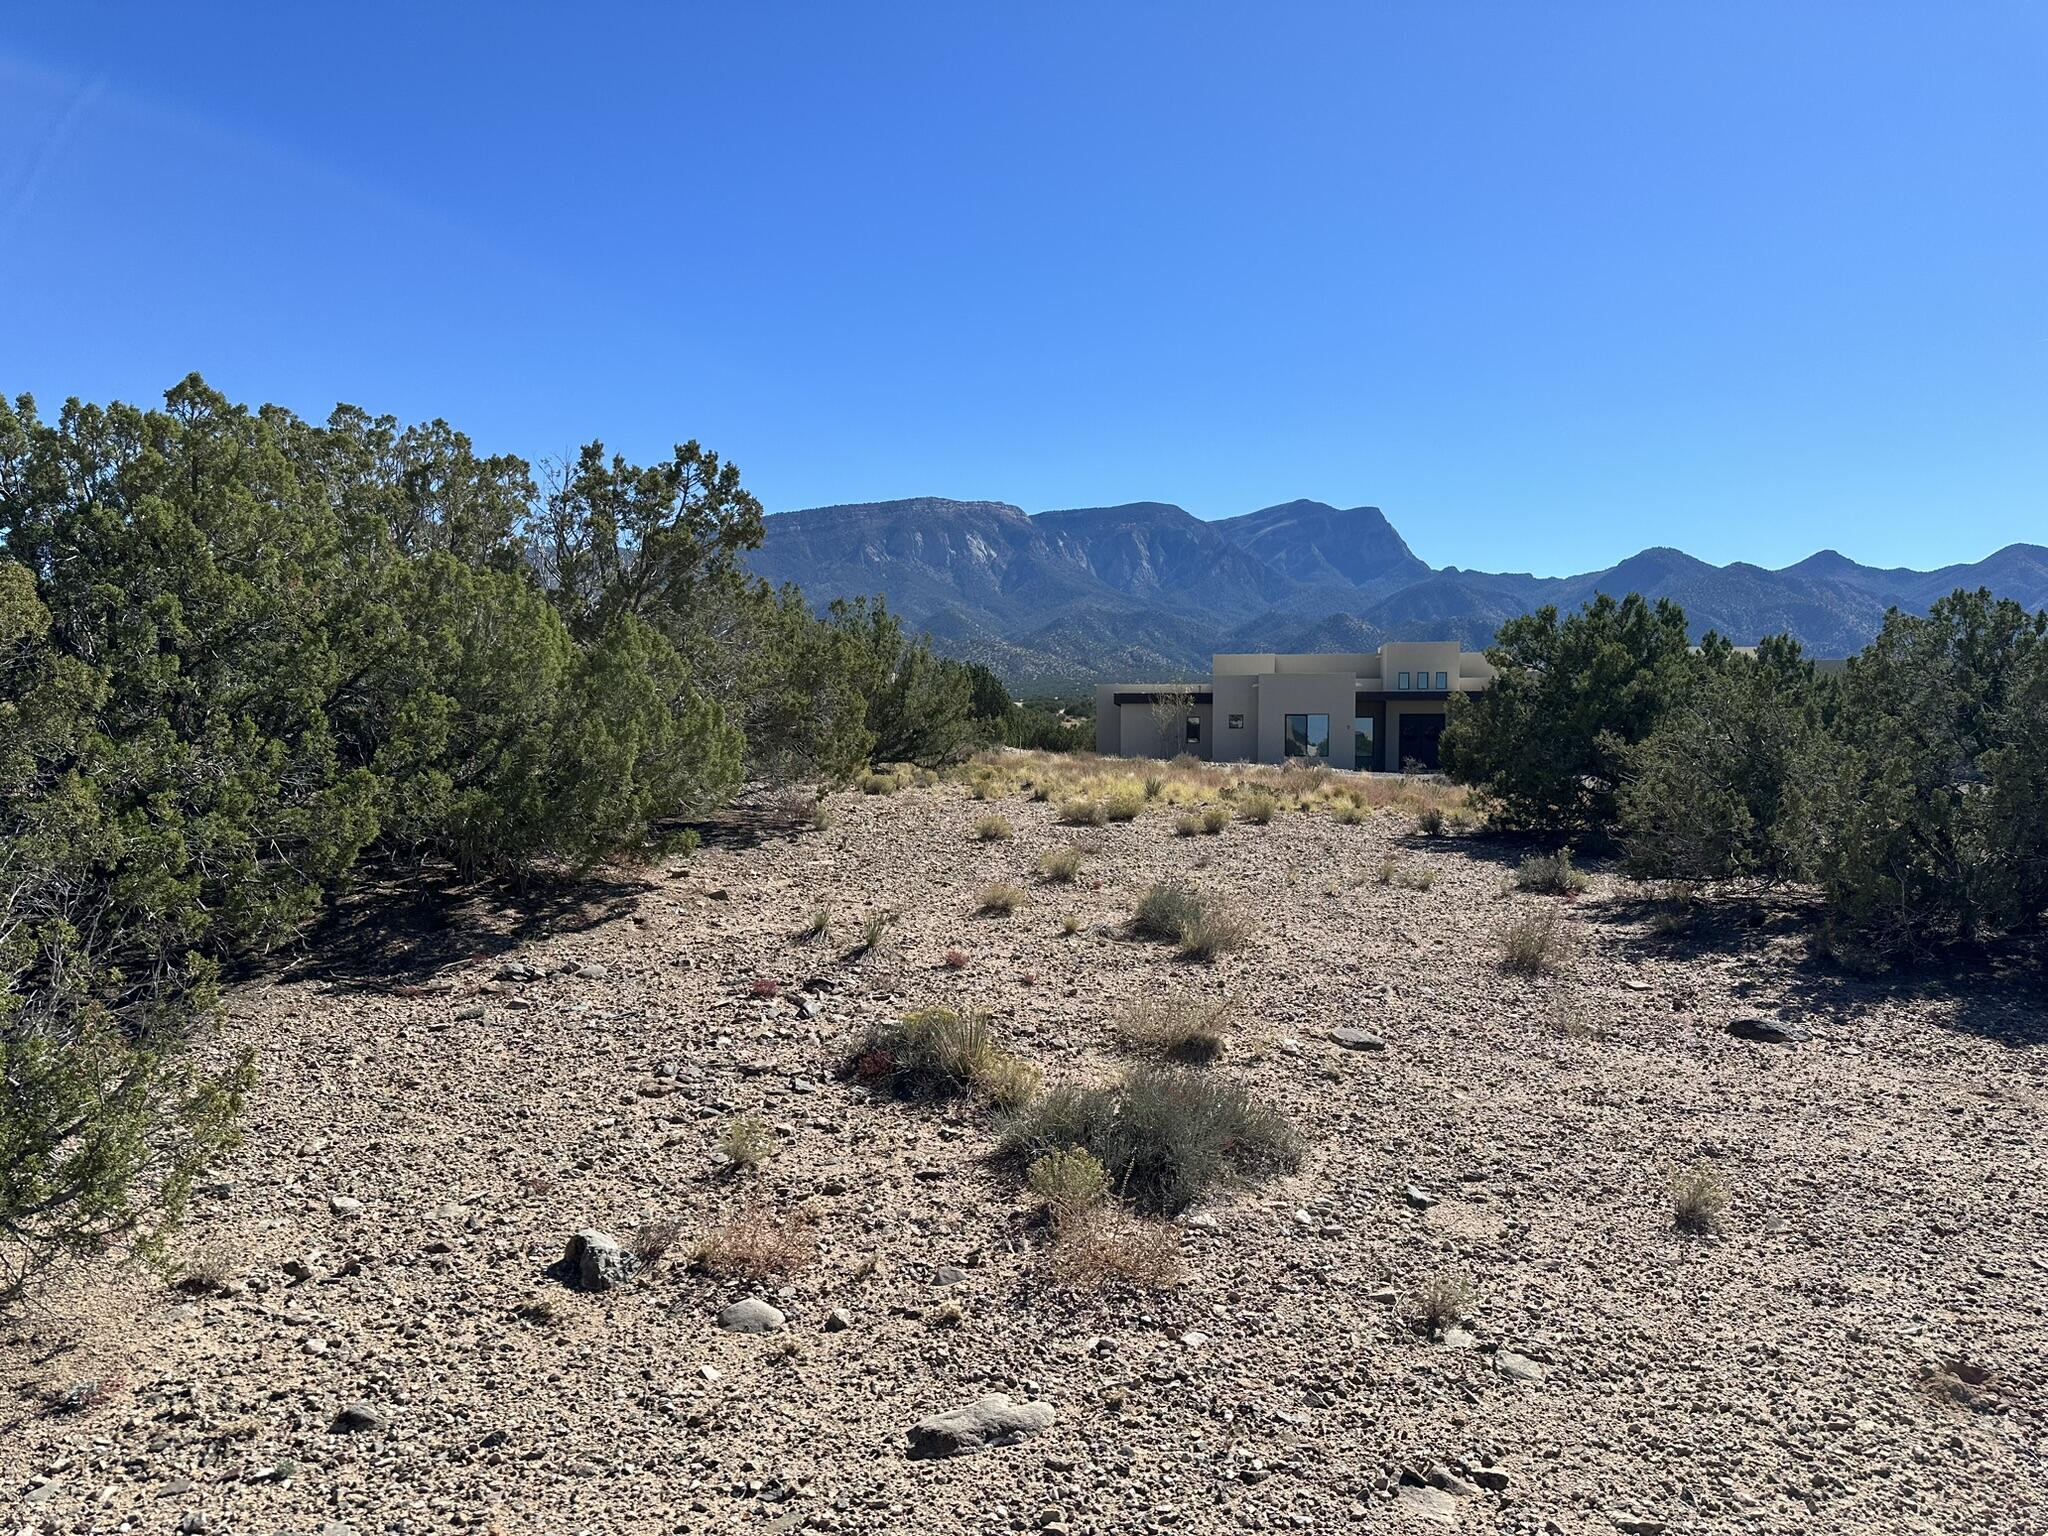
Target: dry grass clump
(1550,873)
(1174,911)
(818,925)
(1004,897)
(1699,1198)
(1204,823)
(1258,807)
(1350,813)
(1413,877)
(1070,923)
(823,817)
(1189,825)
(955,960)
(1125,803)
(1443,1299)
(208,1269)
(1677,907)
(757,1244)
(1103,1245)
(1061,865)
(936,1053)
(993,829)
(1082,812)
(747,1141)
(1180,1026)
(877,783)
(652,1240)
(1164,1135)
(1535,943)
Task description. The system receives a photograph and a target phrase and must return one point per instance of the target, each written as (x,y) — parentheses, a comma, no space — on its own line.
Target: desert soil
(1860,1348)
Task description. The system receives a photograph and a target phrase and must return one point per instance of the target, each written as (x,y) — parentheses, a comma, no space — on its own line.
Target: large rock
(751,1316)
(596,1262)
(1358,1040)
(987,1421)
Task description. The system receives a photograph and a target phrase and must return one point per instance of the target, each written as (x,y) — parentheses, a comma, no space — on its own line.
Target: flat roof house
(1378,710)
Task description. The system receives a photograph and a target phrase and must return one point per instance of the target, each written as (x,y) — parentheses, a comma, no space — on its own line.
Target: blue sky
(1546,283)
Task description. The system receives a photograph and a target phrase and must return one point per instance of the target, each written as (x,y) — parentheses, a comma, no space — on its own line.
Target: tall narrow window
(1403,684)
(1306,736)
(1443,680)
(1361,741)
(1194,729)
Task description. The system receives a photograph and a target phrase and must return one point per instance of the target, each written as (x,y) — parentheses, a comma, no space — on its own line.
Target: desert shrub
(209,1269)
(1443,1299)
(1010,1081)
(1709,788)
(1551,874)
(1214,819)
(1125,803)
(1178,913)
(1430,821)
(1414,877)
(1189,825)
(1083,812)
(937,1053)
(1180,1026)
(1155,784)
(993,829)
(1258,807)
(819,924)
(757,1244)
(1060,865)
(874,932)
(764,986)
(1165,1134)
(1548,743)
(1924,818)
(1349,813)
(1003,897)
(1699,1198)
(1070,923)
(955,960)
(879,783)
(747,1141)
(1535,942)
(1068,1180)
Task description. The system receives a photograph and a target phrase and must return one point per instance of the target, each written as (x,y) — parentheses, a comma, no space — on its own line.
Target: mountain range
(1147,590)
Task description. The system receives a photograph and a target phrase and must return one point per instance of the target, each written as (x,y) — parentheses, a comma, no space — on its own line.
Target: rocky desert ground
(376,1331)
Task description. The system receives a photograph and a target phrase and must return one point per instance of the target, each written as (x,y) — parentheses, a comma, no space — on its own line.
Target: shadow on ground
(1996,992)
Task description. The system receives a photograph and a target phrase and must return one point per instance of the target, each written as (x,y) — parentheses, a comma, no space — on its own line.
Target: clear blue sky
(1547,283)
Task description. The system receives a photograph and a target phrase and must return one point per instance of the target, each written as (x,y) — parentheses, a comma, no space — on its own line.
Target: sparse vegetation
(1411,876)
(1070,923)
(1180,914)
(1102,1244)
(1164,1134)
(955,960)
(1551,874)
(1443,1299)
(1068,1180)
(1083,813)
(878,783)
(757,1244)
(747,1141)
(1003,897)
(1061,865)
(1258,807)
(819,924)
(1699,1198)
(1125,803)
(1535,942)
(652,1240)
(874,933)
(938,1053)
(1180,1026)
(993,829)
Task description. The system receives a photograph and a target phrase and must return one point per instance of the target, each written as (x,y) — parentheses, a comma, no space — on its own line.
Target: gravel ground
(1858,1349)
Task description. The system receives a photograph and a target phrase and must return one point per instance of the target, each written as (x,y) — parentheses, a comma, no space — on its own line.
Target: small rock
(1493,1479)
(1421,1199)
(752,1315)
(1769,1031)
(838,1320)
(358,1418)
(596,1262)
(345,1205)
(1358,1040)
(949,1274)
(1637,1525)
(1518,1367)
(1431,1504)
(987,1421)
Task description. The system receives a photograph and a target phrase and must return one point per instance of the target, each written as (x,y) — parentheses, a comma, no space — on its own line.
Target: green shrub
(879,783)
(1068,1180)
(1124,804)
(1551,874)
(747,1141)
(1165,1135)
(1083,813)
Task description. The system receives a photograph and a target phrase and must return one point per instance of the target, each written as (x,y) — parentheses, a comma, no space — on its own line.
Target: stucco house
(1379,711)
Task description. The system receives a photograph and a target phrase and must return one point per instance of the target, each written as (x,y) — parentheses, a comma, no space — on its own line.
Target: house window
(1307,736)
(1443,680)
(1237,722)
(1194,730)
(1404,681)
(1361,741)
